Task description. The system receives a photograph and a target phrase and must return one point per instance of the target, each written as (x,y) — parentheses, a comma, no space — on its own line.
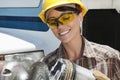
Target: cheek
(75,23)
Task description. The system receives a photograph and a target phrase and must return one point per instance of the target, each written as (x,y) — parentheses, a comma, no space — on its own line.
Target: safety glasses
(63,19)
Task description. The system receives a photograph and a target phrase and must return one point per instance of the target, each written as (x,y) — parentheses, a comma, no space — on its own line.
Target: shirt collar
(88,49)
(62,51)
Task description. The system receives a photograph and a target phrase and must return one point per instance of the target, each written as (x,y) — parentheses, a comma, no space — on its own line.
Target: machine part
(39,71)
(66,70)
(14,71)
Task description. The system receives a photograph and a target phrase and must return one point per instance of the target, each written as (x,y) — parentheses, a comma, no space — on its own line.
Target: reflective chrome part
(16,66)
(39,71)
(13,71)
(66,70)
(26,58)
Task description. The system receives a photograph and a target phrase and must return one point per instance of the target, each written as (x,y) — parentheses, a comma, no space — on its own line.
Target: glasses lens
(52,23)
(66,18)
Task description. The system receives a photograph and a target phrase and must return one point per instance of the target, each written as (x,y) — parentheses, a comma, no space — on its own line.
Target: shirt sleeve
(114,69)
(110,67)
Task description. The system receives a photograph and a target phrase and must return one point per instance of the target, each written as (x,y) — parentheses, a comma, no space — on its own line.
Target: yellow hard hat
(47,4)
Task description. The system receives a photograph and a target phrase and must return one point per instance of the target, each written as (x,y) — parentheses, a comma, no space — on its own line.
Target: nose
(59,24)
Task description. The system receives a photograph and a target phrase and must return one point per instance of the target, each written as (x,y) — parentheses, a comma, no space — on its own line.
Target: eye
(65,17)
(51,22)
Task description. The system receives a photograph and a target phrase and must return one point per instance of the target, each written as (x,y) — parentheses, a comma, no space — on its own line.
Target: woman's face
(66,32)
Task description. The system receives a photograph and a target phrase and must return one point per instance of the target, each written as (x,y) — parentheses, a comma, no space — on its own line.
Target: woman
(64,17)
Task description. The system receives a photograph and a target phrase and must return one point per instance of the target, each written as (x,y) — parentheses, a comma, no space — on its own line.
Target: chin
(65,41)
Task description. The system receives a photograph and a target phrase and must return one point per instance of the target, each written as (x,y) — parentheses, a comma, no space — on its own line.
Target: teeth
(64,32)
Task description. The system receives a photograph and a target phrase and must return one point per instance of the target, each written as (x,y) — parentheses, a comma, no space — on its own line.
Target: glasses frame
(57,20)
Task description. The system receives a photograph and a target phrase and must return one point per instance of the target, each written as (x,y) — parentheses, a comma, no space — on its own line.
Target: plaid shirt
(94,56)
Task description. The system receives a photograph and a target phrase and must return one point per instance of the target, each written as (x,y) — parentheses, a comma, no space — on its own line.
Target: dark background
(103,26)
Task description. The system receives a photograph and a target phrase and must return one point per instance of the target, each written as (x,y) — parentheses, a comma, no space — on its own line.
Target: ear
(80,16)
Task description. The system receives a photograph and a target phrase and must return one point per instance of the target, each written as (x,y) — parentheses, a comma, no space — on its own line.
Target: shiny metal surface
(16,66)
(66,70)
(13,71)
(39,71)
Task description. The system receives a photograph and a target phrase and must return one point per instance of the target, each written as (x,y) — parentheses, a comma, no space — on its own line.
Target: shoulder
(106,50)
(102,51)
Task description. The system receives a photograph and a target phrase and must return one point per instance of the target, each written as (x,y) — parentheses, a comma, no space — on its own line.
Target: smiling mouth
(64,33)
